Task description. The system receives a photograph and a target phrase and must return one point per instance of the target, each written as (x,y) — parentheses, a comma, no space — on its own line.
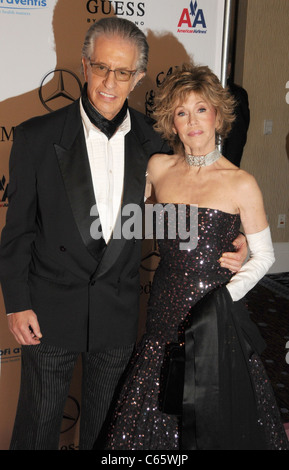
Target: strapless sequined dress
(182,278)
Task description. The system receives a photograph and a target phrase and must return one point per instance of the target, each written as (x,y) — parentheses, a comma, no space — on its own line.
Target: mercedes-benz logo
(150,255)
(58,88)
(71,414)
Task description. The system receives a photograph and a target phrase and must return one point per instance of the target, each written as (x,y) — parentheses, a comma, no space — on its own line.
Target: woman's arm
(258,235)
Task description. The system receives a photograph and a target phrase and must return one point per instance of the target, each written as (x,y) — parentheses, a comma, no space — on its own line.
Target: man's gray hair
(120,27)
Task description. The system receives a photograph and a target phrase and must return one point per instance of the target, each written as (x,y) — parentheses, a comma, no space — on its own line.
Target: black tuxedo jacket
(48,260)
(234,144)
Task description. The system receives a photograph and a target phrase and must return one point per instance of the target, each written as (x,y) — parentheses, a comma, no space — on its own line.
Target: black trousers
(46,374)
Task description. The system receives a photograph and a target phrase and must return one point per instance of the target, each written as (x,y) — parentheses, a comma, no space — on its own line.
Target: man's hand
(25,327)
(235,260)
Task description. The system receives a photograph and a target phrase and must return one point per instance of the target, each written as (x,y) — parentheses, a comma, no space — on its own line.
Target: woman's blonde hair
(175,90)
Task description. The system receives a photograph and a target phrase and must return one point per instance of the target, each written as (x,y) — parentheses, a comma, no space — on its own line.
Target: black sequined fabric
(181,279)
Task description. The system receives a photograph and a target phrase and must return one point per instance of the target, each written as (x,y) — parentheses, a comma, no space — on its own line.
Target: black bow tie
(108,127)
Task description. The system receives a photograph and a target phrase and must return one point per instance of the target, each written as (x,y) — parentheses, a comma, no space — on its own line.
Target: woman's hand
(235,260)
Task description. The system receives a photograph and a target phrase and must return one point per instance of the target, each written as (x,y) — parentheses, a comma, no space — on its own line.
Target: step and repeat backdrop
(41,72)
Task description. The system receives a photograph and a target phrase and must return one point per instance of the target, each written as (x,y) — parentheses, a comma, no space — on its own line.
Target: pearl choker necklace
(203,160)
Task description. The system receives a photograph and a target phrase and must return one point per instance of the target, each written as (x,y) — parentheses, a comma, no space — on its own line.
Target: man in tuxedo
(233,145)
(67,292)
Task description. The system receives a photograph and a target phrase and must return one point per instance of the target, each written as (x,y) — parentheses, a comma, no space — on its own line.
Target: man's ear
(136,79)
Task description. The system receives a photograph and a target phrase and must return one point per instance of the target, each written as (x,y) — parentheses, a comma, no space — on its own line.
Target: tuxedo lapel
(135,168)
(74,165)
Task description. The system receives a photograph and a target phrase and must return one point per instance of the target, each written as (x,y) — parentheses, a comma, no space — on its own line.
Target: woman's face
(195,122)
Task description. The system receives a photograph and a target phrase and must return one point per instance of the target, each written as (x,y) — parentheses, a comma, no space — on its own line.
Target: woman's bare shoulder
(160,162)
(239,176)
(245,179)
(160,158)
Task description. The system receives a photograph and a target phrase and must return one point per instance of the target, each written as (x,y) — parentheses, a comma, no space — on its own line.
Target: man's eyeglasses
(121,75)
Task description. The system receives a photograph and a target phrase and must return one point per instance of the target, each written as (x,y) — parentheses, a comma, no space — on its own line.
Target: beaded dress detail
(182,278)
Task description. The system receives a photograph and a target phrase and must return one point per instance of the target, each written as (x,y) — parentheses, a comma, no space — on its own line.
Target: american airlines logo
(192,19)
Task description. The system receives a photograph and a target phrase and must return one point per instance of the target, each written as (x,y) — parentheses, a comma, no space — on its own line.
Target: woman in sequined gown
(193,110)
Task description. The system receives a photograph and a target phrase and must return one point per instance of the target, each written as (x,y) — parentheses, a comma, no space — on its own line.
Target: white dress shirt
(106,159)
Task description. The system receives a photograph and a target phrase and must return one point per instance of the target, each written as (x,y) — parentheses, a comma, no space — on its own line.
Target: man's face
(107,94)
